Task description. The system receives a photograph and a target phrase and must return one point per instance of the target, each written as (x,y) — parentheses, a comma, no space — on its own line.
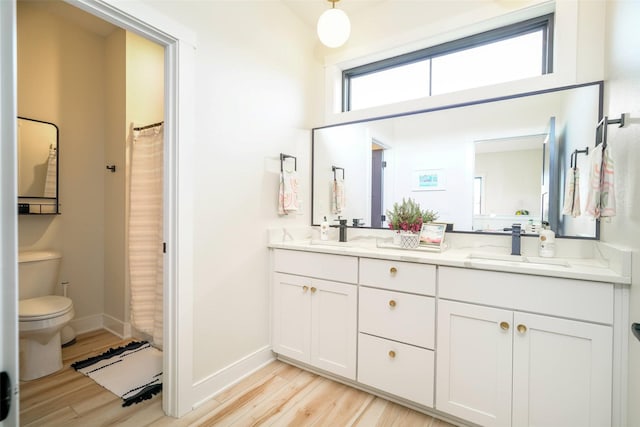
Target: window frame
(543,22)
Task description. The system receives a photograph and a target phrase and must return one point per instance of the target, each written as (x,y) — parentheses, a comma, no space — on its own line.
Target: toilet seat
(44,308)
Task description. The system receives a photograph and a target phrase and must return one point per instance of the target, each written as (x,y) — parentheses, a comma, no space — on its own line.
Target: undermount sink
(519,259)
(496,257)
(334,243)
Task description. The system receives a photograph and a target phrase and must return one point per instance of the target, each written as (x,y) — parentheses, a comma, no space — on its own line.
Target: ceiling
(310,10)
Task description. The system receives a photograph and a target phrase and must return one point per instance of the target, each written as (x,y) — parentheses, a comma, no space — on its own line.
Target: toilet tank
(38,273)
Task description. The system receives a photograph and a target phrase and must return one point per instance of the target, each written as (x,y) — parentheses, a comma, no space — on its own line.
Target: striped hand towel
(572,194)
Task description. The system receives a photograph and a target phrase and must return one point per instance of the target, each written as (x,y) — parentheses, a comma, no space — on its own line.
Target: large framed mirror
(481,166)
(37,167)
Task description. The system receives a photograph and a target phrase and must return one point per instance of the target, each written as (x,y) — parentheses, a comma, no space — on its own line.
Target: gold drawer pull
(393,270)
(392,354)
(313,289)
(305,288)
(522,329)
(392,303)
(504,326)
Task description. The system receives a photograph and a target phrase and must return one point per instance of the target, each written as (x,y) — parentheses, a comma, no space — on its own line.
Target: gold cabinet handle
(392,354)
(392,303)
(305,288)
(393,270)
(313,289)
(522,329)
(504,326)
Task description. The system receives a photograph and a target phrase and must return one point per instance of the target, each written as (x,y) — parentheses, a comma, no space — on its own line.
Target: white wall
(350,149)
(512,181)
(622,94)
(256,85)
(60,74)
(114,183)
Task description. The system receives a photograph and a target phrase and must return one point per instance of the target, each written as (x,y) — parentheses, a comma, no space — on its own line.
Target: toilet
(42,315)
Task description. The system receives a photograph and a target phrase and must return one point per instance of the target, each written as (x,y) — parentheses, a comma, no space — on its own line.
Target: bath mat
(132,372)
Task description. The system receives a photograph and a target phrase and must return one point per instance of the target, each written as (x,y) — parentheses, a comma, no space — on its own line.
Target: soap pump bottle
(324,229)
(547,242)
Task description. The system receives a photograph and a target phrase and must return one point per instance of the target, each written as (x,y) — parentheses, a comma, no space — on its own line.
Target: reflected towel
(288,198)
(601,200)
(572,194)
(337,196)
(52,171)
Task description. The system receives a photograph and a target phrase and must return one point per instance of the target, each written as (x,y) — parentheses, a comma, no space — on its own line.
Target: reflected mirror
(37,166)
(480,166)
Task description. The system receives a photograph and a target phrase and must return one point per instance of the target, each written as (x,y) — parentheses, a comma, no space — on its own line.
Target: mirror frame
(29,200)
(554,202)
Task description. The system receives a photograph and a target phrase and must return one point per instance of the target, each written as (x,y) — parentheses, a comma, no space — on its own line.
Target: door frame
(179,43)
(8,209)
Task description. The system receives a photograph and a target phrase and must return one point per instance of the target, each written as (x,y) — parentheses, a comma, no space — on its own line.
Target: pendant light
(334,26)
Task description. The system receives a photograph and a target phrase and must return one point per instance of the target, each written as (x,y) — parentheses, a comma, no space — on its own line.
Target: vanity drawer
(338,268)
(398,276)
(570,298)
(398,316)
(395,368)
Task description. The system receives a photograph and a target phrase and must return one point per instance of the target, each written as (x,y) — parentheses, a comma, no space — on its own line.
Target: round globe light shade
(334,28)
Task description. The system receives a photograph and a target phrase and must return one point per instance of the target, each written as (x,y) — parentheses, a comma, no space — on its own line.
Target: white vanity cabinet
(518,350)
(314,319)
(397,328)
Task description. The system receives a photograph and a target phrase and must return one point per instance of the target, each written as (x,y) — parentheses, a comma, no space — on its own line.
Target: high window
(509,53)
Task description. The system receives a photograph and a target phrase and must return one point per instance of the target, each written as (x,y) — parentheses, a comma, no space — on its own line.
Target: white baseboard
(217,382)
(87,324)
(101,321)
(115,326)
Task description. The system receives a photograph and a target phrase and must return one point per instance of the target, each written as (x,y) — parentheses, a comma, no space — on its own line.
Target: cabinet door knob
(392,354)
(305,288)
(504,326)
(522,329)
(392,303)
(313,289)
(393,270)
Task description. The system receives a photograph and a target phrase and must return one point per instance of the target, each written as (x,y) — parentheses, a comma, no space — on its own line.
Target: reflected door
(377,176)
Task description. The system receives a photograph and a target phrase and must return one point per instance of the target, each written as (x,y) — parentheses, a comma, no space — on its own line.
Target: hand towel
(601,201)
(572,194)
(337,196)
(50,187)
(288,198)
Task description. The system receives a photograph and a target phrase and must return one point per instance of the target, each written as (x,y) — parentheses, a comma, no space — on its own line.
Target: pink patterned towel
(337,196)
(572,194)
(601,200)
(288,198)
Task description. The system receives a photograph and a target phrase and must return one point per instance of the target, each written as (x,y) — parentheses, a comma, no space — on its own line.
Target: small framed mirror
(37,167)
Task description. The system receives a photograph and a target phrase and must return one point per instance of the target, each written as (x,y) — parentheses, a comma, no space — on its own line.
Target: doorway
(377,183)
(179,44)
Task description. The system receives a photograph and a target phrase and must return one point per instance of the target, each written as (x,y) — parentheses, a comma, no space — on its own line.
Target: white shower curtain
(145,231)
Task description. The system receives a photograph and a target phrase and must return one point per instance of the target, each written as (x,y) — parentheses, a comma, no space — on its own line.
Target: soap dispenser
(324,229)
(547,242)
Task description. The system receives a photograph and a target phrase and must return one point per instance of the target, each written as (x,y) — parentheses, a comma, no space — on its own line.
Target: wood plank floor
(276,395)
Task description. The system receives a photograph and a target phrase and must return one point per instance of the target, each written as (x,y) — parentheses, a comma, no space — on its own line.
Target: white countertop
(598,269)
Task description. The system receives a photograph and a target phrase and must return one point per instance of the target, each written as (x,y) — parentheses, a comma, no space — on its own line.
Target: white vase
(409,240)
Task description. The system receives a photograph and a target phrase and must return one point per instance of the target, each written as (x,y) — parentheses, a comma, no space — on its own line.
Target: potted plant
(406,216)
(407,219)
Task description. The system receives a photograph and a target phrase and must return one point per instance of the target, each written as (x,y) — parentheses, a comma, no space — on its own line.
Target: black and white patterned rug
(133,372)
